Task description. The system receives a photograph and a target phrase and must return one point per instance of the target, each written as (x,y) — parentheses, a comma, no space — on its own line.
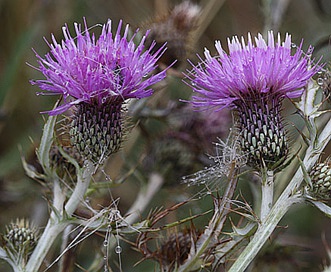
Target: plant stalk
(267,187)
(57,224)
(284,202)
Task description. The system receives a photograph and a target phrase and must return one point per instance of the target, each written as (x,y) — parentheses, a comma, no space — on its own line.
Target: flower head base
(96,131)
(263,137)
(95,77)
(253,79)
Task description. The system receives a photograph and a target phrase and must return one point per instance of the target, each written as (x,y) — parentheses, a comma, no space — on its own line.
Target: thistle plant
(186,154)
(253,79)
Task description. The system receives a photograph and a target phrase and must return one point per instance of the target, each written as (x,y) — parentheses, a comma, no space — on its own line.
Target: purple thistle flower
(95,77)
(86,69)
(250,71)
(253,79)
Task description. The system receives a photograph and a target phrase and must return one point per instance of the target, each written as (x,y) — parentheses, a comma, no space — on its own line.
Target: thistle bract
(96,131)
(253,79)
(95,76)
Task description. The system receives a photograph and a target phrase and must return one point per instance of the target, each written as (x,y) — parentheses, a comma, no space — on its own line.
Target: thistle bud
(62,166)
(20,238)
(171,156)
(320,176)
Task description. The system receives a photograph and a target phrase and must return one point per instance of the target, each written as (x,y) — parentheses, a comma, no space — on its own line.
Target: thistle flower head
(253,79)
(95,76)
(88,69)
(182,147)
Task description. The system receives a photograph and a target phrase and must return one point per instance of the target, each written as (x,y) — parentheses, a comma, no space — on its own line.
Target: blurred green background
(24,23)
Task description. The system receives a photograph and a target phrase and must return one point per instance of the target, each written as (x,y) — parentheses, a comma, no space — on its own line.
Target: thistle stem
(215,225)
(4,256)
(83,182)
(267,188)
(263,232)
(145,196)
(65,241)
(58,219)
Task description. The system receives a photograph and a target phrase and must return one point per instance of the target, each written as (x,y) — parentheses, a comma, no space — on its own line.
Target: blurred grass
(23,24)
